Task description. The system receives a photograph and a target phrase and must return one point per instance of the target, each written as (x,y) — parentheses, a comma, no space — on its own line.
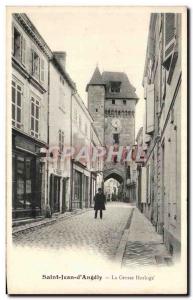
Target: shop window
(18,45)
(23,182)
(35,117)
(16,104)
(77,199)
(20,182)
(115,86)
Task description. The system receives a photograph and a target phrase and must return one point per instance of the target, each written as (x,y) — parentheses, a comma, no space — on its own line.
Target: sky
(114,38)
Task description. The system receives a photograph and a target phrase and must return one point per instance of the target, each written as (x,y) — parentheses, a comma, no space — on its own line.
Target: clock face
(116,123)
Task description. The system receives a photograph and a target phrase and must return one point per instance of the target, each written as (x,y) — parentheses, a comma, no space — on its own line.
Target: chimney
(61,58)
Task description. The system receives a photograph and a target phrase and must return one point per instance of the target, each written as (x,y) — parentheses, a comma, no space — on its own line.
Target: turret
(96,97)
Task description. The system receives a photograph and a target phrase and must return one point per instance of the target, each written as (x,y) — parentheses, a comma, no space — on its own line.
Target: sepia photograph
(96,155)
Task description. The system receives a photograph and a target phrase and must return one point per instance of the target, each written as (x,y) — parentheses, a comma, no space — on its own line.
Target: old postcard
(96,150)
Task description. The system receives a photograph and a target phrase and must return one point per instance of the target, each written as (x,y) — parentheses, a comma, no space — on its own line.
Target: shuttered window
(16,104)
(171,44)
(18,45)
(169,36)
(35,117)
(150,109)
(145,87)
(42,70)
(148,184)
(35,65)
(23,54)
(163,84)
(169,28)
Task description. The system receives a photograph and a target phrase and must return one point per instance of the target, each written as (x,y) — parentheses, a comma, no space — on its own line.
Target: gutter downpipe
(71,161)
(48,136)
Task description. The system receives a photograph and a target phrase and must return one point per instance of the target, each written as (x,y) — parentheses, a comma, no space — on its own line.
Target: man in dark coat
(99,203)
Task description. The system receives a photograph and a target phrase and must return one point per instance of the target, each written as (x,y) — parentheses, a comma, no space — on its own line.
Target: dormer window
(115,86)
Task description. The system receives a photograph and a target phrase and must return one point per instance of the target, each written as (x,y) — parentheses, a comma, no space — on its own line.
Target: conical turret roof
(96,79)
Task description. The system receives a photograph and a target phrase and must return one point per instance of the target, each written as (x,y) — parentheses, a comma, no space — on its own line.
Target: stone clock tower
(111,103)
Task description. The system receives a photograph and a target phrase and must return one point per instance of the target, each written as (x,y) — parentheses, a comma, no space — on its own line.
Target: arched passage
(115,176)
(113,186)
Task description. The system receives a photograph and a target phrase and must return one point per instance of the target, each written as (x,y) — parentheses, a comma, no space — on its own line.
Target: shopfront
(55,188)
(77,195)
(81,191)
(86,191)
(92,188)
(26,178)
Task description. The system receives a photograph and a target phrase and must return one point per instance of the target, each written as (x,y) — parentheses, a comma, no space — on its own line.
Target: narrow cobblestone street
(97,236)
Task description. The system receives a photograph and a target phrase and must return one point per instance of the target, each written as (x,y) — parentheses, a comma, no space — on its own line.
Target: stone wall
(96,96)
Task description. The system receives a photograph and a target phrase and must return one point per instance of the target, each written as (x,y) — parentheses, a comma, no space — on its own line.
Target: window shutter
(170,30)
(12,39)
(32,62)
(150,67)
(175,52)
(62,140)
(163,84)
(143,185)
(145,87)
(42,70)
(38,75)
(23,53)
(150,109)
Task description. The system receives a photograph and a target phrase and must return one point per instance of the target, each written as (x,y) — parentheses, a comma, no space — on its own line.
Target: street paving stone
(96,235)
(143,244)
(139,253)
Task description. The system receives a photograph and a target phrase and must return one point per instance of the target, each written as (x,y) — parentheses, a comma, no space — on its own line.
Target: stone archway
(115,173)
(118,177)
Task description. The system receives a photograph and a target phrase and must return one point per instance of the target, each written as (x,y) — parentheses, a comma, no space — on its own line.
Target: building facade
(30,59)
(48,118)
(111,103)
(162,136)
(96,164)
(61,89)
(85,172)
